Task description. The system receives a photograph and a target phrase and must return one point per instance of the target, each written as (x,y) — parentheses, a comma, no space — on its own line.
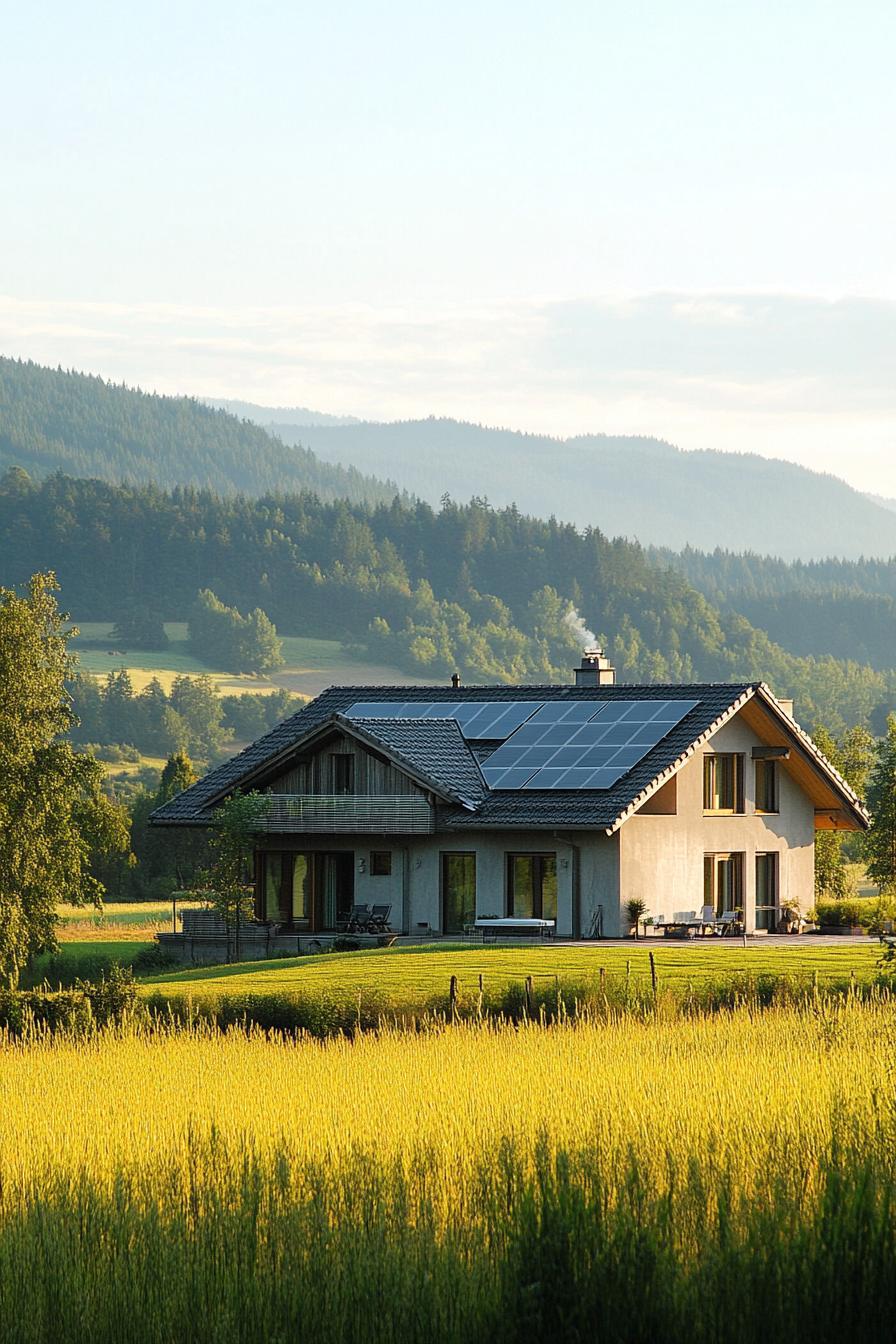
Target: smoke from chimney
(578,629)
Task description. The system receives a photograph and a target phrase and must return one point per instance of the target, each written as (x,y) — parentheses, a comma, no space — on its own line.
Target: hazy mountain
(634,487)
(269,415)
(53,420)
(883,502)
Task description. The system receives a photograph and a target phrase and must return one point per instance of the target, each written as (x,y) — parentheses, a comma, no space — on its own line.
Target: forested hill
(52,420)
(491,593)
(633,487)
(842,607)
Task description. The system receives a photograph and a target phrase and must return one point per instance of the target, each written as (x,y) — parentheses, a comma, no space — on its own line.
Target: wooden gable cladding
(374,776)
(831,813)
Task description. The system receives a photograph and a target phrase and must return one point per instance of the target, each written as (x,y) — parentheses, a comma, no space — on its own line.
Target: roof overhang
(837,807)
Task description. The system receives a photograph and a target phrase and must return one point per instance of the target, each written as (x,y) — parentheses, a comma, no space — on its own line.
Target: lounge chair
(707,919)
(727,923)
(357,919)
(378,921)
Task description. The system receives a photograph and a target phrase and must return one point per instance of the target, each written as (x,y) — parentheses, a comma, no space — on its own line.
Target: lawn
(310,664)
(411,976)
(86,959)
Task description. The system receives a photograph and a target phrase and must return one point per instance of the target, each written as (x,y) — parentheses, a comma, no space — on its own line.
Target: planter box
(844,930)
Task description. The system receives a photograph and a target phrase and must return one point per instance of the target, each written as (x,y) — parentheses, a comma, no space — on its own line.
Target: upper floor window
(723,782)
(342,764)
(766,786)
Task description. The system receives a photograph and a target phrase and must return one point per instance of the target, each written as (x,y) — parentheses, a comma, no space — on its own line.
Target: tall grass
(703,1178)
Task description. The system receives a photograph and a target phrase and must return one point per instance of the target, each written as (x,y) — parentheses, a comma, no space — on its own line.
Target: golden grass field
(726,1177)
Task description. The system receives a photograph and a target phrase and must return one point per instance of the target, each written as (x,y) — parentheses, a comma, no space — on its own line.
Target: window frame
(769,769)
(711,790)
(538,862)
(738,859)
(342,762)
(377,856)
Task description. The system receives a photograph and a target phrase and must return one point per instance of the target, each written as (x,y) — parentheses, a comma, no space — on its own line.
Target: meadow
(310,665)
(718,1178)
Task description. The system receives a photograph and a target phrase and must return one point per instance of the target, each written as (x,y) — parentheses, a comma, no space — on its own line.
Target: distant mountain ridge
(57,420)
(269,415)
(641,488)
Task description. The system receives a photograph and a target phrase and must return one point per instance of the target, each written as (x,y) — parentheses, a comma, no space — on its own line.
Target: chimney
(595,669)
(786,705)
(455,679)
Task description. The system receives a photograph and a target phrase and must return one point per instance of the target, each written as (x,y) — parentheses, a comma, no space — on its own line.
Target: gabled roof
(434,751)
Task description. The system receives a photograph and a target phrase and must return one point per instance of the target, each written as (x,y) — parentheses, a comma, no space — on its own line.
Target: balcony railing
(383,814)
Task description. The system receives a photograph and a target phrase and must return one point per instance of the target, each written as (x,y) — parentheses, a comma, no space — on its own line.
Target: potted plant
(634,909)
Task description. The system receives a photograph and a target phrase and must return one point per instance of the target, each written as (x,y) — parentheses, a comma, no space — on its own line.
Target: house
(552,802)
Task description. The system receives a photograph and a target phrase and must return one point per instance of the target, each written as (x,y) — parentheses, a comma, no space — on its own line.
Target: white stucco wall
(661,857)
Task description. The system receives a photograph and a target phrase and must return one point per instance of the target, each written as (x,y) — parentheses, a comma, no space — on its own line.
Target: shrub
(113,997)
(840,914)
(53,1010)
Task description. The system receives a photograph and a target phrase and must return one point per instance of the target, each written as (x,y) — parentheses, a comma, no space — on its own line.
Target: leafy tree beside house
(880,842)
(53,815)
(853,755)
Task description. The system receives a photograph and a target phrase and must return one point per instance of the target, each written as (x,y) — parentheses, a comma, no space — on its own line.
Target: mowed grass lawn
(413,975)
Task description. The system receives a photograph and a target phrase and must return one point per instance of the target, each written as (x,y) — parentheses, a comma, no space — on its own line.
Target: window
(723,782)
(287,888)
(723,882)
(766,786)
(343,772)
(381,863)
(532,886)
(767,912)
(458,891)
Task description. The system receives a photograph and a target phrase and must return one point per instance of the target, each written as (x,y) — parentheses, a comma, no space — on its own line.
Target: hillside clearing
(310,664)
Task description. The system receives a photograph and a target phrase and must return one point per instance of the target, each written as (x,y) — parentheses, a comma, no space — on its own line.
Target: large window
(723,782)
(767,912)
(723,882)
(532,886)
(766,786)
(458,891)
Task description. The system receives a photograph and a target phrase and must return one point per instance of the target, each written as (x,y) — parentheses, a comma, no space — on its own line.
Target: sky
(674,219)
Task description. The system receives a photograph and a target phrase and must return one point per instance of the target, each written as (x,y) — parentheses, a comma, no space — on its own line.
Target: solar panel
(577,755)
(478,720)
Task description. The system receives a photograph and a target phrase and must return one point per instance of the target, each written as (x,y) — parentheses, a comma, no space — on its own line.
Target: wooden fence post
(528,996)
(652,973)
(452,997)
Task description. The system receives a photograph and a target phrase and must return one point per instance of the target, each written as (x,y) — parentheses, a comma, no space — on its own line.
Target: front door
(458,891)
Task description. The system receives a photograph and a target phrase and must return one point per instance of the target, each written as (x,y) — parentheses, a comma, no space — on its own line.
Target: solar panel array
(564,744)
(580,745)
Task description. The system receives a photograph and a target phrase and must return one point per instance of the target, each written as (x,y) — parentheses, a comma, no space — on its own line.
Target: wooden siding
(373,777)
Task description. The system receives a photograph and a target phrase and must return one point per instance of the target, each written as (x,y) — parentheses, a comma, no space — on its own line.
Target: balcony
(348,813)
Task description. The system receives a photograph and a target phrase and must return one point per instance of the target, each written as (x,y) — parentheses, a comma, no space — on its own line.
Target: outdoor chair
(707,919)
(378,921)
(727,923)
(357,919)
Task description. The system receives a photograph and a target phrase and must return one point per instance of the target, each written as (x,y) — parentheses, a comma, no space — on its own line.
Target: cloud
(785,375)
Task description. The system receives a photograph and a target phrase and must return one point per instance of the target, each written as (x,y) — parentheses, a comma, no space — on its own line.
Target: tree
(141,627)
(53,815)
(227,881)
(880,843)
(220,635)
(199,706)
(832,878)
